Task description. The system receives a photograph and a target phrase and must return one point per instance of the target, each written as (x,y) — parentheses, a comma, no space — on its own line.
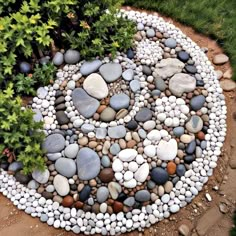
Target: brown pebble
(92,144)
(83,141)
(122,143)
(201,135)
(106,175)
(131,144)
(40,189)
(117,207)
(92,182)
(171,167)
(79,205)
(96,208)
(67,201)
(101,108)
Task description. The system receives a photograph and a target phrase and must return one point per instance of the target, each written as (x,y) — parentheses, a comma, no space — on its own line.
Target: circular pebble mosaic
(130,140)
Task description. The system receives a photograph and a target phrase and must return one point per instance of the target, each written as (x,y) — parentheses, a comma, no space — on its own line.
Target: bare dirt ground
(201,217)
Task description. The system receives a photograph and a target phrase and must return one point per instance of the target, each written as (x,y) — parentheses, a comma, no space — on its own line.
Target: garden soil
(201,217)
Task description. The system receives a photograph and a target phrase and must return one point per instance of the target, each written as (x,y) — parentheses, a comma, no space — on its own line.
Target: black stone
(132,125)
(62,118)
(181,146)
(130,53)
(121,197)
(20,177)
(180,170)
(200,83)
(191,69)
(47,195)
(60,107)
(60,100)
(190,149)
(159,175)
(73,187)
(147,70)
(4,165)
(183,56)
(58,93)
(189,159)
(204,129)
(84,194)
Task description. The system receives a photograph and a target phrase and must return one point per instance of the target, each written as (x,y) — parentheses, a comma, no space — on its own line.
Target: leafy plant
(24,84)
(44,74)
(20,135)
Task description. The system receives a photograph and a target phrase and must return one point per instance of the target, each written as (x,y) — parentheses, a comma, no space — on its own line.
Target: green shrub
(30,27)
(20,136)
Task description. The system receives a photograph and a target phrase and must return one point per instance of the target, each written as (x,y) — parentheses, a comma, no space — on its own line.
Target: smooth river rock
(127,154)
(197,102)
(168,67)
(61,185)
(181,83)
(87,159)
(110,71)
(195,124)
(71,150)
(142,173)
(119,101)
(143,115)
(85,104)
(41,176)
(167,150)
(95,86)
(54,143)
(65,167)
(89,67)
(117,131)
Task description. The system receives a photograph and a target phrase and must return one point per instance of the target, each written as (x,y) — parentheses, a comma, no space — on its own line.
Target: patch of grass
(216,18)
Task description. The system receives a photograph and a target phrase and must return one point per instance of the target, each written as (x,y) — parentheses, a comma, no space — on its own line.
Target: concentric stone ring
(130,140)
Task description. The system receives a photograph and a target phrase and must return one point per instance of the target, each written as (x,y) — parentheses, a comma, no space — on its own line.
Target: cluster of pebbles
(130,140)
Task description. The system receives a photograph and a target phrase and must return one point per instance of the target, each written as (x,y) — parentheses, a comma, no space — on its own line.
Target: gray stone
(227,85)
(72,56)
(135,85)
(143,115)
(195,124)
(37,115)
(61,185)
(181,83)
(183,56)
(168,67)
(33,184)
(87,159)
(65,167)
(142,196)
(71,150)
(110,71)
(85,104)
(160,84)
(147,70)
(150,33)
(105,161)
(102,194)
(15,166)
(86,128)
(129,201)
(119,101)
(41,176)
(43,218)
(190,149)
(115,149)
(108,114)
(101,133)
(54,143)
(170,43)
(53,156)
(178,131)
(128,74)
(89,67)
(197,102)
(117,131)
(140,26)
(58,59)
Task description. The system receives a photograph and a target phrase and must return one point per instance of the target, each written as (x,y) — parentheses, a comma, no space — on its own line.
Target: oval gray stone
(195,124)
(142,196)
(135,85)
(128,74)
(110,71)
(119,101)
(102,194)
(88,164)
(54,143)
(90,66)
(58,59)
(197,102)
(117,131)
(143,115)
(65,167)
(71,56)
(85,104)
(71,150)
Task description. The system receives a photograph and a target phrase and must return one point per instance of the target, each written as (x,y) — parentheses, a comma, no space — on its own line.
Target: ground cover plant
(214,18)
